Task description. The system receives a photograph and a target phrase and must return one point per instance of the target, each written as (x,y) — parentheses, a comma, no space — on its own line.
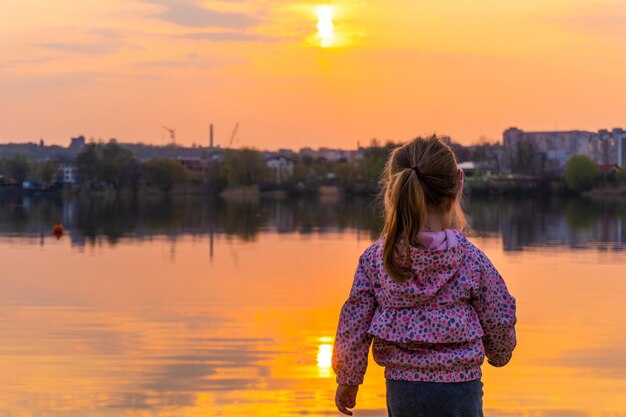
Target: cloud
(536,413)
(11,63)
(183,13)
(189,61)
(80,48)
(561,413)
(200,369)
(609,362)
(599,19)
(89,338)
(105,41)
(128,400)
(194,377)
(23,83)
(231,37)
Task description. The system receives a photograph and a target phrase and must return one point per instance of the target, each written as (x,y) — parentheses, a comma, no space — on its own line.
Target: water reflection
(122,328)
(324,359)
(89,219)
(573,222)
(522,222)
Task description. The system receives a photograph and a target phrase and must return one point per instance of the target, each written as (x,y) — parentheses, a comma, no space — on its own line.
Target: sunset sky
(308,74)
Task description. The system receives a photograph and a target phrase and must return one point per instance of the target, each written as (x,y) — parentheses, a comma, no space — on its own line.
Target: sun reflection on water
(324,358)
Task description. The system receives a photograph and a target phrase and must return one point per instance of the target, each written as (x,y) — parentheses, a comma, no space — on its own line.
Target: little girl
(430,300)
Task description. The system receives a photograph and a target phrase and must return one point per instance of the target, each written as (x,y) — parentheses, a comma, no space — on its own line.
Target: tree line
(109,165)
(17,169)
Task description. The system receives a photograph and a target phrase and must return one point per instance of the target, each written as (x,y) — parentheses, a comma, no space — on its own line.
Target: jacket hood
(432,269)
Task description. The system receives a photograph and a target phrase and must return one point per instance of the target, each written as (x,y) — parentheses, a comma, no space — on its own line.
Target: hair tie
(416,169)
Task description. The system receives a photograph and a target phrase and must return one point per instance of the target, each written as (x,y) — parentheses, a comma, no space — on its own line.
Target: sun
(325,26)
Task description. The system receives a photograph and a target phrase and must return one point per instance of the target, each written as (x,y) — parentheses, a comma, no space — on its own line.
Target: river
(197,307)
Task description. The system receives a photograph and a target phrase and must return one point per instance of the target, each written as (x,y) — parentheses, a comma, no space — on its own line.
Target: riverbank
(618,192)
(473,186)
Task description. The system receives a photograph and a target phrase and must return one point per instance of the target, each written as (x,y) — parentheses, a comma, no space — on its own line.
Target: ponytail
(419,174)
(405,204)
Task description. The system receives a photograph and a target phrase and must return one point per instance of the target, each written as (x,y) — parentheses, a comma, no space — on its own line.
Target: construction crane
(172,133)
(232,137)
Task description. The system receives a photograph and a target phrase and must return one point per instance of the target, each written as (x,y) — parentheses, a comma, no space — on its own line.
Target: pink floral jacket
(435,327)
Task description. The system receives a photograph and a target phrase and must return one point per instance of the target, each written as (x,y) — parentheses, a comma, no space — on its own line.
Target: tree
(581,172)
(303,165)
(115,165)
(621,175)
(17,168)
(47,171)
(164,173)
(214,177)
(305,176)
(370,167)
(245,167)
(87,163)
(526,159)
(345,173)
(486,152)
(107,164)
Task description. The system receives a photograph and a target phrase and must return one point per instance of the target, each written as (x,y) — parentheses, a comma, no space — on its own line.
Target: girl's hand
(346,398)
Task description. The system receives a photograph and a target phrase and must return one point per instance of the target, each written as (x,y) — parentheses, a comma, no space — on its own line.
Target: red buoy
(58,230)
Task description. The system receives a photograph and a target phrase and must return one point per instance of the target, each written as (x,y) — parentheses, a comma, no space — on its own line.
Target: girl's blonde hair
(417,175)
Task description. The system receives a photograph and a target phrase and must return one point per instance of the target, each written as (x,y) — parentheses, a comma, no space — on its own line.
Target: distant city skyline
(308,74)
(574,135)
(165,141)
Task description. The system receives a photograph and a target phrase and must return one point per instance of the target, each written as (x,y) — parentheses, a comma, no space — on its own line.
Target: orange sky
(393,69)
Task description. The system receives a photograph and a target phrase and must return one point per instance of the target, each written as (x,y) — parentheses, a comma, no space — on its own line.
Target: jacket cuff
(349,379)
(499,361)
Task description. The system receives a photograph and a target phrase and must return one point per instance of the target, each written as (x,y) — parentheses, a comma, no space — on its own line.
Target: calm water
(209,308)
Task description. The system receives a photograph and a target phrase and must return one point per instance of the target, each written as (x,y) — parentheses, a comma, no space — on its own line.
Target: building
(287,153)
(475,169)
(282,168)
(335,155)
(550,150)
(67,174)
(77,142)
(193,164)
(619,137)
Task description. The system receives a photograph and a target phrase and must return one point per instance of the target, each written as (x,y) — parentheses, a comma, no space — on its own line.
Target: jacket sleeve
(352,341)
(496,310)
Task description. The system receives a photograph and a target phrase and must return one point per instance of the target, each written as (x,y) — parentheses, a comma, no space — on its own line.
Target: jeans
(433,399)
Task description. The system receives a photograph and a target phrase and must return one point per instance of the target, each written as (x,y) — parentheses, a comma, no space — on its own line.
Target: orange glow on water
(134,327)
(324,356)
